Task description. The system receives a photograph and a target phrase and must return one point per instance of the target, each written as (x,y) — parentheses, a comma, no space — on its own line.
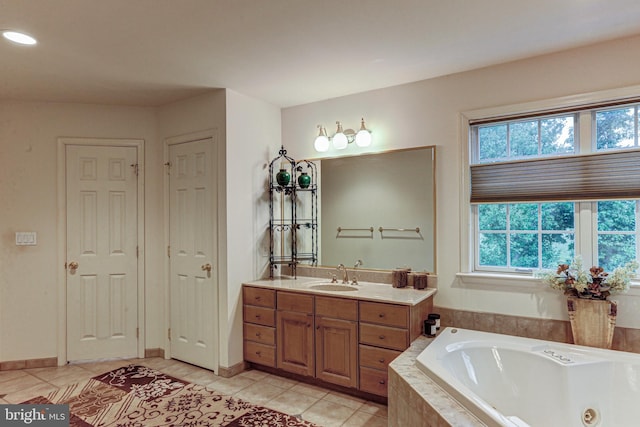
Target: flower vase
(593,321)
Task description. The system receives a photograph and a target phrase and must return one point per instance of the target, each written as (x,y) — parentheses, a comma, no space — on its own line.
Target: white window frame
(585,216)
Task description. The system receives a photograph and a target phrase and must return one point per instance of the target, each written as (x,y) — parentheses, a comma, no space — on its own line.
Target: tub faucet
(345,274)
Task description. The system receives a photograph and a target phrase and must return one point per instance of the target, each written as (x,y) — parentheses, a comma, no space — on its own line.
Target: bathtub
(517,382)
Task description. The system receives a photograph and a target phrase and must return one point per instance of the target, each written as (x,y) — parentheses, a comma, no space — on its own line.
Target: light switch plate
(26,238)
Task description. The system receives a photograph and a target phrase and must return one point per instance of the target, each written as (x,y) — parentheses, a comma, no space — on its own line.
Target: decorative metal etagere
(293,212)
(306,213)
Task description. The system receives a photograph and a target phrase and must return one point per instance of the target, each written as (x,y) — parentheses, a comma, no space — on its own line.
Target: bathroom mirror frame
(407,236)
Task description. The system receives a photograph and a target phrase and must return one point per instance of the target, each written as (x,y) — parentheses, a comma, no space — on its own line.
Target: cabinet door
(336,351)
(295,342)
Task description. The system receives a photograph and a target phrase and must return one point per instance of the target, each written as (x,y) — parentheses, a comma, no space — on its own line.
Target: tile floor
(317,405)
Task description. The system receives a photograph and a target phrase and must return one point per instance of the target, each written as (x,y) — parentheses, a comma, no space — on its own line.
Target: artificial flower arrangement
(593,284)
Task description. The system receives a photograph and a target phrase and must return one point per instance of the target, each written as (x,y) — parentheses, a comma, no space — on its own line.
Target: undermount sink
(333,287)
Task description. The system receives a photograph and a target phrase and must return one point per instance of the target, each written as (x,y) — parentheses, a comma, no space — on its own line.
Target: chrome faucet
(345,274)
(354,281)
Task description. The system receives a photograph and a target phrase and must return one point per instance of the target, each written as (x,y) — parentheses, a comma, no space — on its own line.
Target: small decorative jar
(430,328)
(304,180)
(436,318)
(283,177)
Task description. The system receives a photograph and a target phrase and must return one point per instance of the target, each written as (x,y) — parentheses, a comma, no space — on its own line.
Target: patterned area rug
(143,397)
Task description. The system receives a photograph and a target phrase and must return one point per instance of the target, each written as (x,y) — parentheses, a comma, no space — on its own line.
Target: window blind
(598,176)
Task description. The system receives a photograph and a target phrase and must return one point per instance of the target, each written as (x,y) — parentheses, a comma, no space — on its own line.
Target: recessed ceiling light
(17,37)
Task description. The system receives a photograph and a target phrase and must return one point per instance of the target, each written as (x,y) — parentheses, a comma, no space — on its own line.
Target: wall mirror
(379,208)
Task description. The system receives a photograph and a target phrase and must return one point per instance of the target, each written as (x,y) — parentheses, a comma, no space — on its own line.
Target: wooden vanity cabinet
(259,325)
(295,323)
(337,341)
(384,334)
(342,341)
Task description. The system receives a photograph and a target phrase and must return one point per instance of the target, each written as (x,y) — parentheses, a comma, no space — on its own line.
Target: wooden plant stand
(592,321)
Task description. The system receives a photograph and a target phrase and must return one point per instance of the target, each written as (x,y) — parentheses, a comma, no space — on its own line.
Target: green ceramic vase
(283,177)
(304,180)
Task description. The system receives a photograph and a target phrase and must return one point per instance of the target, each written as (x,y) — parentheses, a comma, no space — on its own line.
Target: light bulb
(340,140)
(321,143)
(363,137)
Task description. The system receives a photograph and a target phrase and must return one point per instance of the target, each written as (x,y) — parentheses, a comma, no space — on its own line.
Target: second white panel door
(193,241)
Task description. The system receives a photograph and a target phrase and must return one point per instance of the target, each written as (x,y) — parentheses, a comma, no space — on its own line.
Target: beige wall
(428,113)
(253,138)
(28,191)
(248,132)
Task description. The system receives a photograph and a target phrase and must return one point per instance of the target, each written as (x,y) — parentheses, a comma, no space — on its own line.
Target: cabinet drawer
(384,336)
(337,308)
(384,314)
(261,334)
(258,296)
(300,303)
(260,353)
(377,358)
(373,381)
(260,315)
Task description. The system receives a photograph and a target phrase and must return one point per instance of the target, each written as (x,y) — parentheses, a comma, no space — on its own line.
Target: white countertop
(364,290)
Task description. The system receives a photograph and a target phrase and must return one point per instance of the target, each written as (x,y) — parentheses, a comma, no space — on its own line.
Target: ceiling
(286,52)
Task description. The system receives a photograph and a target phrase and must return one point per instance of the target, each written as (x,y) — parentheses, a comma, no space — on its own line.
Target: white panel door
(193,240)
(101,187)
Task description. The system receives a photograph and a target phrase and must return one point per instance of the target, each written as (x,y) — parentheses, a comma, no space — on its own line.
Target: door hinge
(169,334)
(135,168)
(137,251)
(169,251)
(168,165)
(137,333)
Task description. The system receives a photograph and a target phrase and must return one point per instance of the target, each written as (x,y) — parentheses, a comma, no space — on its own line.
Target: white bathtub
(510,381)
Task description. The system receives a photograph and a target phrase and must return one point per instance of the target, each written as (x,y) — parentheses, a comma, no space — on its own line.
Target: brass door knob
(73,265)
(207,267)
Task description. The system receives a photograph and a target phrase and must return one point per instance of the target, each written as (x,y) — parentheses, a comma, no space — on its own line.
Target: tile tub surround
(624,339)
(417,401)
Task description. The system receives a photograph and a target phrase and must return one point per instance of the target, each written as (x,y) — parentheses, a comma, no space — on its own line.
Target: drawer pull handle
(258,334)
(257,316)
(381,337)
(258,353)
(381,315)
(382,382)
(381,360)
(258,298)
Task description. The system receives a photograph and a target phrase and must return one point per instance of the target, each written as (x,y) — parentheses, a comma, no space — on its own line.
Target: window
(616,128)
(547,188)
(523,236)
(525,139)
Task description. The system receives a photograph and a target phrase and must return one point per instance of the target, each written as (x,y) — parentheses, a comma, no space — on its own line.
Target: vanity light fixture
(18,37)
(342,138)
